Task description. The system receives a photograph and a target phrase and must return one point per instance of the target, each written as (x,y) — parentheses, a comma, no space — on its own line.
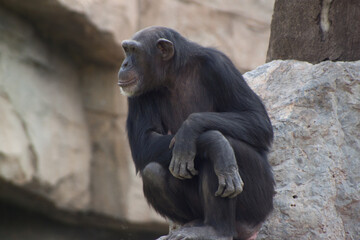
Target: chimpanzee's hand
(230,182)
(182,161)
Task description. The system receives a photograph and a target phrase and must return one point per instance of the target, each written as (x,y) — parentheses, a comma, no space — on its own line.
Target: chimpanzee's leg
(188,200)
(219,179)
(217,167)
(220,153)
(255,203)
(173,198)
(219,213)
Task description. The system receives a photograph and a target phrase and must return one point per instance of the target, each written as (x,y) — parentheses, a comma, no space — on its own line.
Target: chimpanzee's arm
(146,143)
(250,127)
(150,146)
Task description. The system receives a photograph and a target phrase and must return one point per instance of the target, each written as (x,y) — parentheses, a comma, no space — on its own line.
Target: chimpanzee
(199,137)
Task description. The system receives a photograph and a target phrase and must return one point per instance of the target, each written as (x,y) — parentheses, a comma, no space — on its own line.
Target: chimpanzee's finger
(238,187)
(183,171)
(191,168)
(222,185)
(172,143)
(229,187)
(172,165)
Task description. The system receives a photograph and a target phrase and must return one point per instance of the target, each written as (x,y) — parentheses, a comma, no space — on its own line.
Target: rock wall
(238,28)
(62,136)
(44,143)
(315,111)
(315,31)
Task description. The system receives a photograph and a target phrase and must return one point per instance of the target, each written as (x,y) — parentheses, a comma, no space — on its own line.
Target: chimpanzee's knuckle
(227,192)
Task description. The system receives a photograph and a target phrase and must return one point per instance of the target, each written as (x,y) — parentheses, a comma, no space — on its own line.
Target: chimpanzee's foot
(246,231)
(196,233)
(172,227)
(163,237)
(253,237)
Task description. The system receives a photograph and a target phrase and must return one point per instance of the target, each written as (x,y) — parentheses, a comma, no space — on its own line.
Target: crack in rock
(324,16)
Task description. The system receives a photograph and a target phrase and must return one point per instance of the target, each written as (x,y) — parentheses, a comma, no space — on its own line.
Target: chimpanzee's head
(149,55)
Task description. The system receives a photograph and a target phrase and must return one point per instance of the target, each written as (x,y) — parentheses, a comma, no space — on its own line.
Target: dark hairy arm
(147,144)
(254,128)
(250,127)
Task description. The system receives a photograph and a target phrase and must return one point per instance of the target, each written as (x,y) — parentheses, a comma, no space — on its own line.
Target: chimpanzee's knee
(154,175)
(213,141)
(166,193)
(211,137)
(216,147)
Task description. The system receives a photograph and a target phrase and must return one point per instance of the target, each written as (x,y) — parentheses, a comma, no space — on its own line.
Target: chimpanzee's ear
(166,48)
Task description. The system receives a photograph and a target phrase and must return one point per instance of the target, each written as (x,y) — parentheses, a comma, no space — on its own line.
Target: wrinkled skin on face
(130,76)
(143,56)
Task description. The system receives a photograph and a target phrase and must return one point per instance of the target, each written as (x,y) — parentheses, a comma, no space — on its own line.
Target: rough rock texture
(67,27)
(44,143)
(315,111)
(92,30)
(315,31)
(238,28)
(62,133)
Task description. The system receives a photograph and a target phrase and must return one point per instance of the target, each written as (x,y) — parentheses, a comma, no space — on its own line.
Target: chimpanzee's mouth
(127,83)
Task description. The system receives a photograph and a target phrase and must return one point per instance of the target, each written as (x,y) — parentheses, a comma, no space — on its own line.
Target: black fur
(201,87)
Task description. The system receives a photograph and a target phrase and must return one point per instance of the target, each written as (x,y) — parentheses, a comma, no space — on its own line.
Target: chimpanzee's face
(131,71)
(144,60)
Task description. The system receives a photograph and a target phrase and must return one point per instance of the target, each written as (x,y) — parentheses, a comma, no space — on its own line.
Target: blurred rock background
(65,167)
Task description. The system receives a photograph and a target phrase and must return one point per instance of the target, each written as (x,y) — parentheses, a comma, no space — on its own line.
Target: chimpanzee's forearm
(149,147)
(250,127)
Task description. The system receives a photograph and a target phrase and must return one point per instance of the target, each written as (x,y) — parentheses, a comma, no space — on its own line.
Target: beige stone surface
(43,133)
(241,28)
(63,132)
(15,151)
(118,17)
(315,111)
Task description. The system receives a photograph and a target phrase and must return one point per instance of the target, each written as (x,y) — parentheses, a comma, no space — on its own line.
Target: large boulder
(315,111)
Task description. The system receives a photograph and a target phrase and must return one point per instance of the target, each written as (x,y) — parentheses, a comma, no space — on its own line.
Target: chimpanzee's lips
(126,83)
